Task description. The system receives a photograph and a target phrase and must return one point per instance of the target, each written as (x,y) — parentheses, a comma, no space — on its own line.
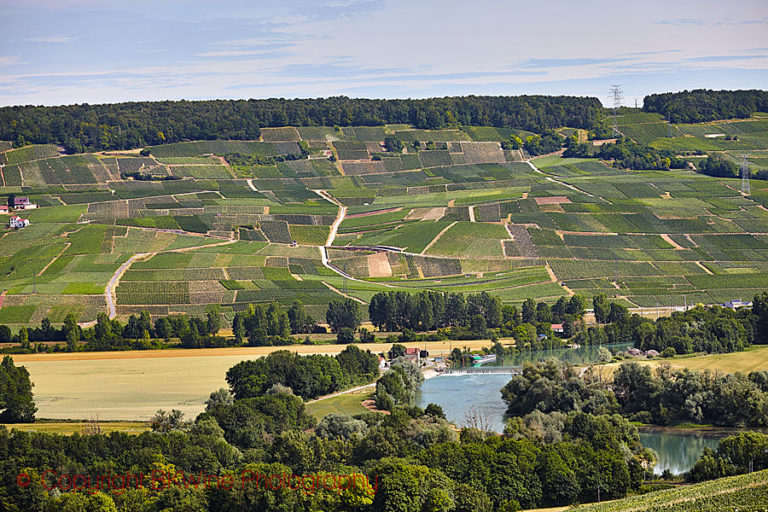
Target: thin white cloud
(51,39)
(231,53)
(682,21)
(9,61)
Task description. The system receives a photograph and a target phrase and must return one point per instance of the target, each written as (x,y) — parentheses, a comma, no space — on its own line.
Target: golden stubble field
(134,385)
(755,358)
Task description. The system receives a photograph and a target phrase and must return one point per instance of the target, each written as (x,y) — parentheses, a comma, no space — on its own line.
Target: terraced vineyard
(454,212)
(744,493)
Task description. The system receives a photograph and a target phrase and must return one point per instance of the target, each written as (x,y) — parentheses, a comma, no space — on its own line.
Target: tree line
(720,167)
(452,315)
(702,105)
(259,324)
(663,397)
(626,154)
(131,125)
(712,329)
(428,310)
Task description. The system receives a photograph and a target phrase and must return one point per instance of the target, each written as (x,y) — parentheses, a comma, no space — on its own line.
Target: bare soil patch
(552,200)
(378,265)
(375,212)
(434,213)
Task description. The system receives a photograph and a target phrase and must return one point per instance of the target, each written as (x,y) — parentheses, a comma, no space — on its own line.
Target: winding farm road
(339,217)
(567,185)
(109,293)
(332,234)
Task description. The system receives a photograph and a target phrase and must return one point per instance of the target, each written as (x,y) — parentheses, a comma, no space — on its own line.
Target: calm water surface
(679,450)
(460,393)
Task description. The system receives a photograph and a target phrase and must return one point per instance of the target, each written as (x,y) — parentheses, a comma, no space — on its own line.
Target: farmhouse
(733,304)
(23,203)
(17,222)
(413,354)
(558,328)
(3,208)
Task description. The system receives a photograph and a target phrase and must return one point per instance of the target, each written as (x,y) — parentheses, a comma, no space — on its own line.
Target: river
(460,394)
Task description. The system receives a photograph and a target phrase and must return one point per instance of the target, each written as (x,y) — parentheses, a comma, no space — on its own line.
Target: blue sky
(75,51)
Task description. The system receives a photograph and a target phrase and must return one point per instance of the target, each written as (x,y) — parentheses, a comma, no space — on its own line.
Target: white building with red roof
(17,222)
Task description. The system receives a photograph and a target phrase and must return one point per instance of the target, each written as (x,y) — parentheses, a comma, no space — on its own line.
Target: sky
(56,52)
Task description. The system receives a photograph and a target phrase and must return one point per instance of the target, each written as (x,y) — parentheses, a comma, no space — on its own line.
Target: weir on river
(496,370)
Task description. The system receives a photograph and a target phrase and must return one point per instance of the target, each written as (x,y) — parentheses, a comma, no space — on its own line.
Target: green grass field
(754,358)
(347,403)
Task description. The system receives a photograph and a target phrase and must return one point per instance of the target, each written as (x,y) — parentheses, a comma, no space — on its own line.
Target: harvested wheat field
(134,385)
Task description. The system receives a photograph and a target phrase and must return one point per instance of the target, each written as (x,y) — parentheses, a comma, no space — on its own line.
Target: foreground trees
(744,452)
(16,405)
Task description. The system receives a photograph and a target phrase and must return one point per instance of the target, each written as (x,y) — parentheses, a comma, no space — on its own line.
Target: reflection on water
(457,394)
(679,450)
(582,355)
(460,393)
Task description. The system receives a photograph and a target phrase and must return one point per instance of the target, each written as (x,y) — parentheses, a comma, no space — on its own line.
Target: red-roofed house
(3,208)
(413,354)
(557,328)
(17,222)
(23,203)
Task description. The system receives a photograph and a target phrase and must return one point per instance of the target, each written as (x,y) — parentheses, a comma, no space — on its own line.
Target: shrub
(345,335)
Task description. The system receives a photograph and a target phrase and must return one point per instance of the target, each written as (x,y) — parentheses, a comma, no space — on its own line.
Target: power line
(617,99)
(744,176)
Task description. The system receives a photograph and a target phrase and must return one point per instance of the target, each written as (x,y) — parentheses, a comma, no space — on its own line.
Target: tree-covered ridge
(706,105)
(130,125)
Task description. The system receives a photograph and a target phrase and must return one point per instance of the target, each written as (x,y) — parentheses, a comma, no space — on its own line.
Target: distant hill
(449,210)
(86,127)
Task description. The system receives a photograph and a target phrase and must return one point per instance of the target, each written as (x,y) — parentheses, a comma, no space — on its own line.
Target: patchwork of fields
(463,215)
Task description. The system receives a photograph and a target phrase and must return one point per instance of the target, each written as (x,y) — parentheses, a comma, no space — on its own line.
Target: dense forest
(702,105)
(130,125)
